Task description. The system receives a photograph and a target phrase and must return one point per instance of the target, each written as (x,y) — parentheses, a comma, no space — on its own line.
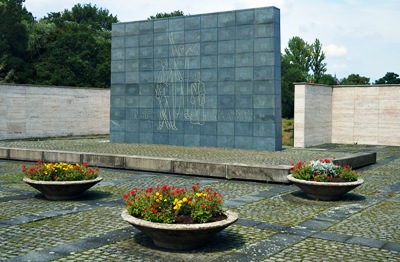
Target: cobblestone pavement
(276,222)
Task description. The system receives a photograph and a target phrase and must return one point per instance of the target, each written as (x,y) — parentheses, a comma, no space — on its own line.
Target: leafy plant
(59,171)
(323,171)
(164,204)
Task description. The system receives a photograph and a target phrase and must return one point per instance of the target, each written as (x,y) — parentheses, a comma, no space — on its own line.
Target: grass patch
(287,132)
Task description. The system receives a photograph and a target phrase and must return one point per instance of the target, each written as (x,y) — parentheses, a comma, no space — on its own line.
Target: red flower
(125,196)
(202,206)
(154,211)
(315,179)
(154,205)
(209,207)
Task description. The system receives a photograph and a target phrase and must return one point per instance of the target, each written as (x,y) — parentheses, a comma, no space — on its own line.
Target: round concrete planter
(325,190)
(180,236)
(66,190)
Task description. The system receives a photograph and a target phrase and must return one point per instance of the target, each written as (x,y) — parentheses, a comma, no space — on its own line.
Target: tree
(13,41)
(166,15)
(355,79)
(290,73)
(73,47)
(327,79)
(389,78)
(317,57)
(299,53)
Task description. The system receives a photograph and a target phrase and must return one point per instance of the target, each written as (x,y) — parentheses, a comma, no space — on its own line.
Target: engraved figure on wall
(197,101)
(176,92)
(181,79)
(164,90)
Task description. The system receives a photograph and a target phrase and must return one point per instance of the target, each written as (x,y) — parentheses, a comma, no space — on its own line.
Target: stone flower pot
(180,236)
(54,190)
(325,190)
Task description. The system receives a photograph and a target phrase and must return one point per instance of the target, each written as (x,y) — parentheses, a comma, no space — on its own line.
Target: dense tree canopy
(14,66)
(389,78)
(355,79)
(73,47)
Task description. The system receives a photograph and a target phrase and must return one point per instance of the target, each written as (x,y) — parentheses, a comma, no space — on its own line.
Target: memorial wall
(201,80)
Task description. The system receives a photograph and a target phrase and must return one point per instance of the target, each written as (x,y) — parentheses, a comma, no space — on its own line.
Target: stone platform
(199,161)
(277,222)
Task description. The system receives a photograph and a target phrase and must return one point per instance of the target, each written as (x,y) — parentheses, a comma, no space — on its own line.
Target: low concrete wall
(47,111)
(264,173)
(367,115)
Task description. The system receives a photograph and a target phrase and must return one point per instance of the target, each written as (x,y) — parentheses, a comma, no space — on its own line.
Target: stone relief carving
(175,92)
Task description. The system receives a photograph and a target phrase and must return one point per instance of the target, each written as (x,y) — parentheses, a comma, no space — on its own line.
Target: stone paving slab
(277,222)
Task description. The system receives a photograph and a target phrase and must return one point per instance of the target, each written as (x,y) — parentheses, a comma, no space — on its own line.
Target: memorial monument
(202,80)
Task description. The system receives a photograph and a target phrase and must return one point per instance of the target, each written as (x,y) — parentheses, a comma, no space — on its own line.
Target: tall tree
(166,15)
(291,73)
(318,67)
(355,79)
(299,53)
(389,78)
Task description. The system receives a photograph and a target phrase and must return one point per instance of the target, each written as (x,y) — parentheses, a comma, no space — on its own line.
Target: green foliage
(300,62)
(355,79)
(327,79)
(165,203)
(287,132)
(14,66)
(348,174)
(59,171)
(301,171)
(166,15)
(73,48)
(318,67)
(298,53)
(389,78)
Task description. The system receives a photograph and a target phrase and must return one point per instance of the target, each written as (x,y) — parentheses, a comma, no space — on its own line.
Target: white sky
(359,36)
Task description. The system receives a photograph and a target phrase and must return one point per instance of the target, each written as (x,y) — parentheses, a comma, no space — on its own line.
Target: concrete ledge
(149,164)
(276,174)
(263,173)
(4,153)
(25,154)
(57,156)
(357,160)
(103,160)
(190,167)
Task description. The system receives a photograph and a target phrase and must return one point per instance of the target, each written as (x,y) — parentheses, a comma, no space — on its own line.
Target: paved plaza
(277,222)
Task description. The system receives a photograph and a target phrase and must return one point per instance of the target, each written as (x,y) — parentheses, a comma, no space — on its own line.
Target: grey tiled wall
(203,80)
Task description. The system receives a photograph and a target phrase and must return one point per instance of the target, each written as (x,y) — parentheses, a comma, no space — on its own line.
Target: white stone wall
(45,111)
(313,117)
(359,114)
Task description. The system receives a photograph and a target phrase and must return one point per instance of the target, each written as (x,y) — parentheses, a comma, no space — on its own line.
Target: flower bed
(323,170)
(168,204)
(60,171)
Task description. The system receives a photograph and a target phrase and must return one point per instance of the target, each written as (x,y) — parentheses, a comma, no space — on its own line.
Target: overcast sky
(358,36)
